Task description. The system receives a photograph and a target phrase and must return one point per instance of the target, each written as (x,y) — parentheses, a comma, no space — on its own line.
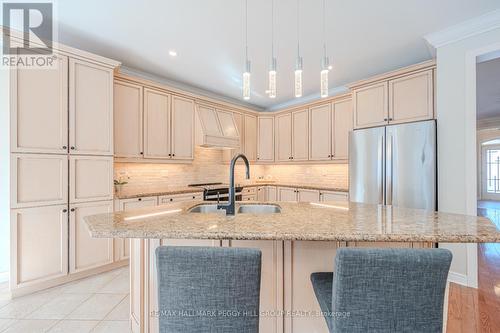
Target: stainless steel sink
(206,208)
(259,209)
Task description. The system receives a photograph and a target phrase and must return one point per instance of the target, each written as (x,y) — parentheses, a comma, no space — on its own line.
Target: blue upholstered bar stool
(384,290)
(208,289)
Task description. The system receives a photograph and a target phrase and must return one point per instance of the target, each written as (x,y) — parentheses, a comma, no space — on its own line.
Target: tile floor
(96,304)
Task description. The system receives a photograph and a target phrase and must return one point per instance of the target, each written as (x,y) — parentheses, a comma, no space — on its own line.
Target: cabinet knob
(390,119)
(171,199)
(385,119)
(72,209)
(291,158)
(65,210)
(194,197)
(173,154)
(72,148)
(142,153)
(64,147)
(169,154)
(140,199)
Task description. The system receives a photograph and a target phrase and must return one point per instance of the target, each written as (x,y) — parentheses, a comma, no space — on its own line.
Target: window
(492,170)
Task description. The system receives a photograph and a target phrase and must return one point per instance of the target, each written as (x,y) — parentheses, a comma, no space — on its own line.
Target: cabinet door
(300,135)
(333,196)
(301,259)
(251,137)
(239,121)
(91,178)
(287,194)
(320,133)
(128,119)
(182,128)
(85,251)
(271,282)
(39,244)
(137,284)
(156,124)
(411,98)
(308,195)
(342,125)
(90,108)
(38,179)
(284,137)
(261,194)
(39,109)
(371,106)
(265,151)
(272,194)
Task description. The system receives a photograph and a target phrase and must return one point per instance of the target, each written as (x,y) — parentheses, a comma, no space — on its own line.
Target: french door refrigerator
(394,165)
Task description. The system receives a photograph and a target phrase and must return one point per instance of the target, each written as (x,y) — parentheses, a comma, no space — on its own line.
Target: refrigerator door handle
(390,170)
(381,173)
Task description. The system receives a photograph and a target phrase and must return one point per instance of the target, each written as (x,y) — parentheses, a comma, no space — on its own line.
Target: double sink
(242,209)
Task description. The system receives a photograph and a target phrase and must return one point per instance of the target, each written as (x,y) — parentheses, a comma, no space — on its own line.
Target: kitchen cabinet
(169,199)
(411,98)
(342,125)
(262,193)
(128,117)
(156,124)
(90,108)
(239,120)
(252,197)
(272,194)
(305,195)
(38,245)
(271,284)
(371,105)
(287,194)
(265,144)
(38,179)
(300,135)
(137,284)
(250,137)
(284,137)
(39,108)
(333,196)
(86,252)
(182,128)
(90,178)
(320,129)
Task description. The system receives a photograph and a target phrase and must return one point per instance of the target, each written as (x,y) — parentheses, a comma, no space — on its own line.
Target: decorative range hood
(216,128)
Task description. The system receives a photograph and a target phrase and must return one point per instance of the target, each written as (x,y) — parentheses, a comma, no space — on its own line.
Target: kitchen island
(299,239)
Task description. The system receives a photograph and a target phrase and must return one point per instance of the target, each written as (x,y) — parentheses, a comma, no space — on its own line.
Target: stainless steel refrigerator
(394,165)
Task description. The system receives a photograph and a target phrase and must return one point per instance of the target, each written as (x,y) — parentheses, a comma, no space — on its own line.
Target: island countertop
(326,221)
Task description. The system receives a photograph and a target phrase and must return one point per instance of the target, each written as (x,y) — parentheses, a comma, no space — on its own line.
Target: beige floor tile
(112,327)
(89,285)
(59,307)
(4,323)
(30,326)
(74,326)
(96,307)
(121,311)
(119,285)
(22,306)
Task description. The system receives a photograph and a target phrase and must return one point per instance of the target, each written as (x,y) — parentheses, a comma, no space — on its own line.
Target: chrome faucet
(229,207)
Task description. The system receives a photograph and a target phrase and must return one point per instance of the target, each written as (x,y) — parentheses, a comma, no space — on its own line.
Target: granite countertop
(136,192)
(327,221)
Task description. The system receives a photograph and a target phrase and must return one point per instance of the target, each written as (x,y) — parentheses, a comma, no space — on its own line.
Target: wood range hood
(215,128)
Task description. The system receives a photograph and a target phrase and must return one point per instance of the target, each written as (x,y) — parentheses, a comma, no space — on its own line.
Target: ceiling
(488,89)
(364,38)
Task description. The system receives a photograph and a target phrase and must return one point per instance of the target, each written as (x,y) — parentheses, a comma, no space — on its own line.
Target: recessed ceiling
(364,38)
(488,89)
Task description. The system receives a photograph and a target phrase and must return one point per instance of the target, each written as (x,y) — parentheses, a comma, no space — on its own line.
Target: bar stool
(384,290)
(208,289)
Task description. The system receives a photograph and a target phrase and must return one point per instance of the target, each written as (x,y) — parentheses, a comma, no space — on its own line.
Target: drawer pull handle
(140,199)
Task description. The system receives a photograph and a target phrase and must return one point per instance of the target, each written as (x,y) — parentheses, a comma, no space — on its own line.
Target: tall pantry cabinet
(61,129)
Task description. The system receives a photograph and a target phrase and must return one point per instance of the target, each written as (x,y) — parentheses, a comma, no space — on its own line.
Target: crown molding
(465,29)
(488,123)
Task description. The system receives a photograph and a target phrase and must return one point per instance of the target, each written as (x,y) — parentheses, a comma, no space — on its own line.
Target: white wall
(456,121)
(4,175)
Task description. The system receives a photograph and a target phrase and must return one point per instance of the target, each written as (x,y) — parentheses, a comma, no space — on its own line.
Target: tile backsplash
(208,166)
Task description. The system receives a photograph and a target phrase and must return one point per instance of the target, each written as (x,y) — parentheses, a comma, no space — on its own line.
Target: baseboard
(458,278)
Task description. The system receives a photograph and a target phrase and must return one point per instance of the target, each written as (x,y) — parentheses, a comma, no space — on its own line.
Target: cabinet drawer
(91,178)
(38,180)
(136,203)
(249,190)
(166,199)
(252,197)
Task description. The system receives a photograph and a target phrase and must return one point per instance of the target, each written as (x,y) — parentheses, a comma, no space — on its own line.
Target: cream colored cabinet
(170,199)
(156,124)
(39,109)
(250,137)
(128,116)
(411,98)
(304,195)
(284,137)
(38,179)
(287,194)
(182,128)
(265,151)
(38,245)
(320,129)
(262,193)
(90,108)
(86,252)
(239,120)
(342,125)
(333,196)
(271,283)
(91,178)
(137,284)
(300,135)
(300,261)
(371,105)
(272,194)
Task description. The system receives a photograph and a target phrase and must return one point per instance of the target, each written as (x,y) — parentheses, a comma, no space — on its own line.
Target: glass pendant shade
(246,82)
(298,78)
(272,79)
(324,83)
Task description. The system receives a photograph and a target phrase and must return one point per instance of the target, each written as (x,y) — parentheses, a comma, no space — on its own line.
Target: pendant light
(272,68)
(325,61)
(298,62)
(246,73)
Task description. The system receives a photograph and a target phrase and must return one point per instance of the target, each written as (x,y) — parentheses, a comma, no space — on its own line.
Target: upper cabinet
(342,125)
(265,145)
(292,136)
(182,128)
(284,137)
(250,137)
(90,108)
(128,119)
(403,96)
(156,124)
(217,128)
(39,109)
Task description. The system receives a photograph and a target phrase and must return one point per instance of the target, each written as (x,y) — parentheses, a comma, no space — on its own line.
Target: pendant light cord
(272,28)
(246,31)
(298,28)
(324,27)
